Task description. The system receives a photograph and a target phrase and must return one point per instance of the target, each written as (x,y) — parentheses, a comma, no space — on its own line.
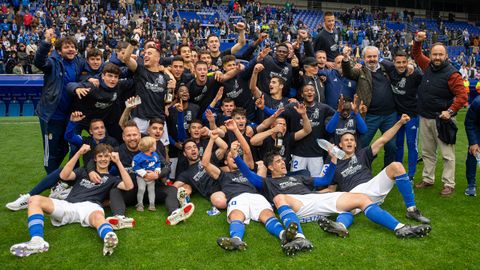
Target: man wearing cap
(310,76)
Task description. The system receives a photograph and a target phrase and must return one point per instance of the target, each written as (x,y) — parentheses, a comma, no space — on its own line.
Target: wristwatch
(451,112)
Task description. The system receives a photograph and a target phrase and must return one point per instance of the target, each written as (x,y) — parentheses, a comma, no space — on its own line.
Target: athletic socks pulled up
(237,229)
(35,225)
(287,216)
(274,227)
(104,229)
(405,187)
(345,218)
(381,217)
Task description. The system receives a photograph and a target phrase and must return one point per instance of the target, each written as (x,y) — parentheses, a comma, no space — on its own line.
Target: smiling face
(371,58)
(102,160)
(281,53)
(275,86)
(131,136)
(401,64)
(186,54)
(321,59)
(194,130)
(177,69)
(97,130)
(94,62)
(183,93)
(308,94)
(151,57)
(68,51)
(227,108)
(438,55)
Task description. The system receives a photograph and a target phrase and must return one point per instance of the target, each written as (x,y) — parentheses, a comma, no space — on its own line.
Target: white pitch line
(17,123)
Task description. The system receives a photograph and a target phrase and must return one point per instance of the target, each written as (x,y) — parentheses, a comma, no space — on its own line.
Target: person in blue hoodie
(60,68)
(336,84)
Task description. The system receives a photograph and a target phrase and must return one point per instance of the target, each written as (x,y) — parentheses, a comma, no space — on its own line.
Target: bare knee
(279,200)
(219,200)
(395,169)
(35,200)
(363,200)
(97,218)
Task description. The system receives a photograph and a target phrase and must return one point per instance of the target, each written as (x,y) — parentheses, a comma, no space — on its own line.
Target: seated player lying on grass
(296,194)
(83,204)
(354,174)
(244,201)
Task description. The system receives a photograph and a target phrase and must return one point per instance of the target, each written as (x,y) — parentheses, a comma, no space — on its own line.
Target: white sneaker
(20,203)
(60,191)
(119,222)
(31,247)
(182,196)
(110,242)
(181,214)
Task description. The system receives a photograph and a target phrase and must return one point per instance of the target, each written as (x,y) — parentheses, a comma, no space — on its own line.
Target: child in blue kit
(146,162)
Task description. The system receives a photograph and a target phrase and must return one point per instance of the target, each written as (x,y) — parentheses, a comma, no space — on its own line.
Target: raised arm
(127,59)
(422,61)
(389,134)
(253,81)
(67,173)
(127,183)
(126,113)
(307,127)
(267,123)
(349,72)
(240,26)
(211,169)
(41,56)
(255,179)
(70,133)
(247,152)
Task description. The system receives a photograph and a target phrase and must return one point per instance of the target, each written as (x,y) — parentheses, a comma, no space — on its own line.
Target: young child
(145,162)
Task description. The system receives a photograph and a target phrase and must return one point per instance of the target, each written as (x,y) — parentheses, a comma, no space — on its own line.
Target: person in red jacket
(441,94)
(27,20)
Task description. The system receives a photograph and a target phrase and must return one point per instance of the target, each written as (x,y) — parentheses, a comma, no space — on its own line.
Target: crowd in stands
(274,102)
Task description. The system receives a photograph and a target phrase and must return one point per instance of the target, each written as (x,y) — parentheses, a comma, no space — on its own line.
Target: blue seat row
(15,108)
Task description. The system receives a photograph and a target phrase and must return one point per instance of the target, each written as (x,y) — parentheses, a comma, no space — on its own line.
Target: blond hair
(146,143)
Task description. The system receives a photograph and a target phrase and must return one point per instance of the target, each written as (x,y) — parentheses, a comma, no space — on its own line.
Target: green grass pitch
(452,244)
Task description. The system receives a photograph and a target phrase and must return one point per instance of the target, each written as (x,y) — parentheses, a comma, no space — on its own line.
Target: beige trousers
(430,143)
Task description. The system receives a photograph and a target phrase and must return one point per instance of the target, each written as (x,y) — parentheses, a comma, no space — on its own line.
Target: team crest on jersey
(291,182)
(285,71)
(350,123)
(86,183)
(353,167)
(401,84)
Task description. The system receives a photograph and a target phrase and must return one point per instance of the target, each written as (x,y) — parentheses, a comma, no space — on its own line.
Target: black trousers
(120,199)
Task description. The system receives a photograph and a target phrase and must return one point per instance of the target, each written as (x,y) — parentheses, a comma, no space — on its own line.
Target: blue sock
(35,225)
(237,229)
(405,187)
(346,218)
(287,216)
(104,229)
(274,227)
(380,216)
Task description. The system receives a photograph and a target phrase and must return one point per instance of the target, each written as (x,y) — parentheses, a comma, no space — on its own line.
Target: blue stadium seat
(27,109)
(13,108)
(3,108)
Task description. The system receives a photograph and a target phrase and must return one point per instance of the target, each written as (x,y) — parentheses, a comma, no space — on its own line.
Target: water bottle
(279,140)
(326,145)
(477,156)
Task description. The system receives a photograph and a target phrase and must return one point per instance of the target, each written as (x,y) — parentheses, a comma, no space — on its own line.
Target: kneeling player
(83,204)
(244,201)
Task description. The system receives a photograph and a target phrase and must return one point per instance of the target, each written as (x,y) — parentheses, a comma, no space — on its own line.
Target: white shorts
(313,164)
(142,124)
(317,204)
(173,167)
(251,205)
(377,188)
(66,212)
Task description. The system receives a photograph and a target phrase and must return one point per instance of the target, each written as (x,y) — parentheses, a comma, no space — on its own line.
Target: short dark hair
(111,68)
(269,156)
(122,45)
(94,120)
(103,148)
(196,121)
(227,100)
(200,62)
(203,52)
(187,141)
(177,58)
(280,79)
(180,48)
(94,53)
(65,40)
(401,53)
(210,36)
(282,45)
(156,121)
(240,111)
(130,123)
(228,58)
(439,44)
